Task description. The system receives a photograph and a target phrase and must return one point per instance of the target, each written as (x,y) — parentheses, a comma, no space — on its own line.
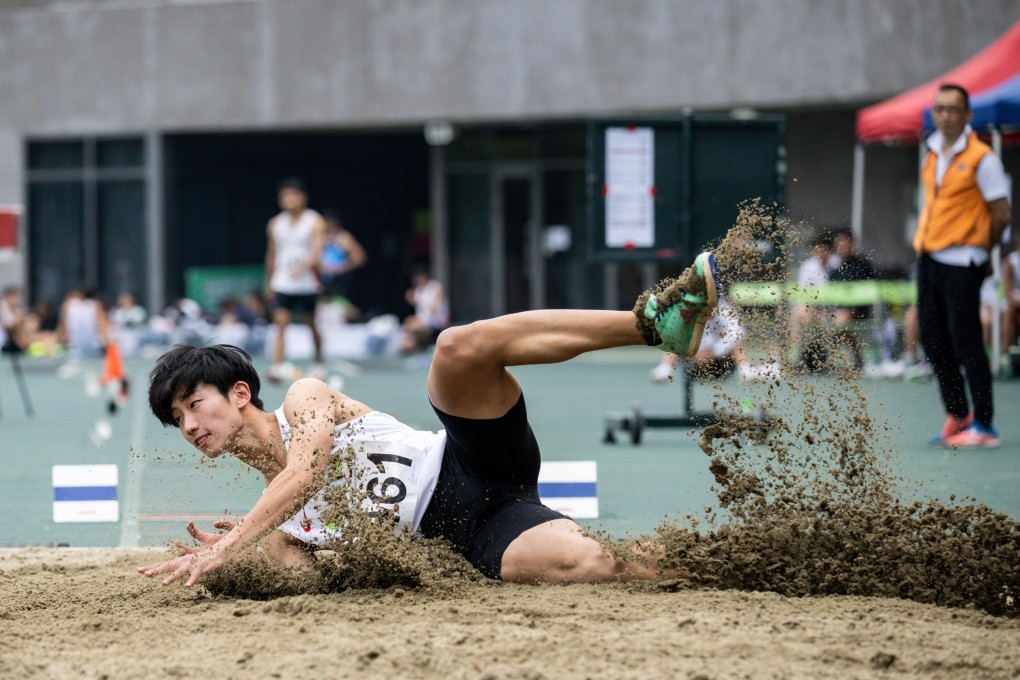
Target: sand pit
(85,613)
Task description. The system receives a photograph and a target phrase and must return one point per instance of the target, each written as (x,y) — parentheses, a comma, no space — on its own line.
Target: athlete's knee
(461,344)
(588,564)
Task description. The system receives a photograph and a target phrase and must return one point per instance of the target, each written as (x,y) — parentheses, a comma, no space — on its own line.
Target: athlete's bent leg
(560,552)
(469,378)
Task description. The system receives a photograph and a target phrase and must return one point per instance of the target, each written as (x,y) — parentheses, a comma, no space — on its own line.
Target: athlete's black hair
(946,87)
(295,183)
(179,372)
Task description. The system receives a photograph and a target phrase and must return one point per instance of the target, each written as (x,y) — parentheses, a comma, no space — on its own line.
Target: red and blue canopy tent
(992,77)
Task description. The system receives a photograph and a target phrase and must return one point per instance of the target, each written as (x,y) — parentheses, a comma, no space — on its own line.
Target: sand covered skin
(807,566)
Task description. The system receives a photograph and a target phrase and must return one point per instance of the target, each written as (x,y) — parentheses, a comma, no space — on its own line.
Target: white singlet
(397,467)
(293,241)
(82,324)
(430,306)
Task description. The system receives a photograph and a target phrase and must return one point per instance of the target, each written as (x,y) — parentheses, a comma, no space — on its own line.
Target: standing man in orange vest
(965,211)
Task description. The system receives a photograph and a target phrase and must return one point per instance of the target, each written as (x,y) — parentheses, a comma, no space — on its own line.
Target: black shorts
(487,492)
(298,304)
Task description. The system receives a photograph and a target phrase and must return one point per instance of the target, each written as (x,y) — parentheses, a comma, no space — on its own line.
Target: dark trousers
(948,308)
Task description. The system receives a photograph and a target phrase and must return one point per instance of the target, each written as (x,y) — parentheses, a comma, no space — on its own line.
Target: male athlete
(474,483)
(295,239)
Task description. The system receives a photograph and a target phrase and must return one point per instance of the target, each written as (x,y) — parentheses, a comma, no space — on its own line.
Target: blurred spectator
(127,324)
(341,255)
(232,311)
(233,324)
(850,267)
(813,272)
(13,321)
(187,322)
(254,305)
(128,313)
(41,325)
(431,312)
(83,325)
(46,315)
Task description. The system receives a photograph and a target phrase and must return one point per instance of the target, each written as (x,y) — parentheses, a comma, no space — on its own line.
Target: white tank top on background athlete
(82,324)
(397,467)
(293,241)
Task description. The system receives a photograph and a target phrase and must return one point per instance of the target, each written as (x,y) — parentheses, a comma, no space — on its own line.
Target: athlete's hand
(194,565)
(204,538)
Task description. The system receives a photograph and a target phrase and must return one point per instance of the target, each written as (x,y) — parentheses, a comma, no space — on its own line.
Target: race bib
(389,474)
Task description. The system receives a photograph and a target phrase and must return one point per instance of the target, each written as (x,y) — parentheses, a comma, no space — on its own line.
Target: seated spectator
(14,319)
(127,324)
(849,266)
(233,324)
(41,326)
(431,312)
(813,272)
(128,313)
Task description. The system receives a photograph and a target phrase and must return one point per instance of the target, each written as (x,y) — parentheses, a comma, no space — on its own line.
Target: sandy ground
(86,613)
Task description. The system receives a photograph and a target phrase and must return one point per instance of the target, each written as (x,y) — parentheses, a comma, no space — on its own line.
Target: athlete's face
(209,420)
(292,200)
(950,113)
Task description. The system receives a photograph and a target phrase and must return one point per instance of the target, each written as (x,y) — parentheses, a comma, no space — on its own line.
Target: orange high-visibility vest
(955,213)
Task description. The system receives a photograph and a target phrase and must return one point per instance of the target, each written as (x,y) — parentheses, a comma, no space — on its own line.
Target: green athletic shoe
(680,320)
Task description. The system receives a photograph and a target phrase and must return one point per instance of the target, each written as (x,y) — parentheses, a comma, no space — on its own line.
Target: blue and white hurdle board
(85,493)
(569,487)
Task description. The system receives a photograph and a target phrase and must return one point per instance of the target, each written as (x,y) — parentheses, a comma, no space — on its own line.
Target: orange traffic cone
(114,367)
(113,371)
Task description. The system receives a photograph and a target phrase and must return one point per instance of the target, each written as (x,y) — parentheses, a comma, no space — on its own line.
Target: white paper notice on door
(630,187)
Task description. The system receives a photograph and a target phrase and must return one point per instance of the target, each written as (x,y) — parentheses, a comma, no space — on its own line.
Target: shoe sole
(993,445)
(711,274)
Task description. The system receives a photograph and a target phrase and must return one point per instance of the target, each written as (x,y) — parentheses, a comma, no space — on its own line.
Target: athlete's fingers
(203,537)
(225,524)
(153,569)
(188,549)
(183,566)
(176,575)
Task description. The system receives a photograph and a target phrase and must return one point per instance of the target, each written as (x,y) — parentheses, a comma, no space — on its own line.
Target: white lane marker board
(570,487)
(85,493)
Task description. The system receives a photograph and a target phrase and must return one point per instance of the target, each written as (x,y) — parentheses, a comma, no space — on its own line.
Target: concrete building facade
(144,137)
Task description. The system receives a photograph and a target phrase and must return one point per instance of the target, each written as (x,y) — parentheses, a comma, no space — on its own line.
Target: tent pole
(857,196)
(996,276)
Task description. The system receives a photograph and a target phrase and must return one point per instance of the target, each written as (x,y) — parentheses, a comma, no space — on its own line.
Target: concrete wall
(73,67)
(109,66)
